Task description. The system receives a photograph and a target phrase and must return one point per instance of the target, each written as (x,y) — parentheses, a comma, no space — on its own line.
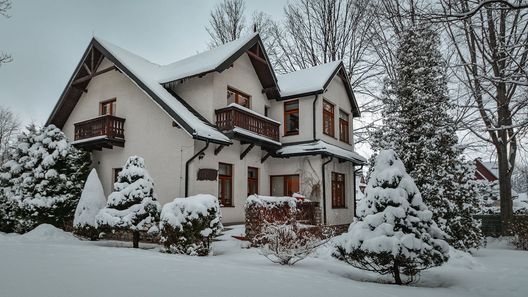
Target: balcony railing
(107,127)
(231,117)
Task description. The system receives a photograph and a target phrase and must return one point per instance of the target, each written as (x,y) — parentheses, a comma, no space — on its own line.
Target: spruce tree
(43,179)
(418,126)
(132,206)
(395,233)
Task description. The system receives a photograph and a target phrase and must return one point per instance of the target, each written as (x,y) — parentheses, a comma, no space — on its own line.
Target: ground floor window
(338,190)
(284,185)
(115,174)
(253,179)
(225,184)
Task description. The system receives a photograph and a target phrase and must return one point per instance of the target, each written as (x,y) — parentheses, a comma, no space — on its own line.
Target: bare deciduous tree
(491,44)
(5,5)
(226,22)
(9,126)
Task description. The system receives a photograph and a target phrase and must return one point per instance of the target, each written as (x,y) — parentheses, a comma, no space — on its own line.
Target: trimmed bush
(91,202)
(188,225)
(519,231)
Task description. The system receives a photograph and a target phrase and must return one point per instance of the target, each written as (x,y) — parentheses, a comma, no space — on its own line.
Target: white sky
(48,37)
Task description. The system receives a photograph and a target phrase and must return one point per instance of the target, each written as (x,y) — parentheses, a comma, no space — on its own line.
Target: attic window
(107,107)
(234,96)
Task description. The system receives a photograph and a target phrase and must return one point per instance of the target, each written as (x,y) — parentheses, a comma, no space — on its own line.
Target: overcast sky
(48,37)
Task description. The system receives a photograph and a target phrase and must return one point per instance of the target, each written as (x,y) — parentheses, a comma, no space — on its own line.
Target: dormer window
(107,107)
(235,96)
(291,117)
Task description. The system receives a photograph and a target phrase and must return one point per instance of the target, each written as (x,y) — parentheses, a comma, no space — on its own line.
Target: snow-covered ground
(50,262)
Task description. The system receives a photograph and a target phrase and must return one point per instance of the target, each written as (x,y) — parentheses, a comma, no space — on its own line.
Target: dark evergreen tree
(43,179)
(418,126)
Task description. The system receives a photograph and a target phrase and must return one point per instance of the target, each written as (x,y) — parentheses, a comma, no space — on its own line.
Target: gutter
(324,188)
(187,167)
(313,115)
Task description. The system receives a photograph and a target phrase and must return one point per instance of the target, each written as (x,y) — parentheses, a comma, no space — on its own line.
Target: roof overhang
(259,59)
(327,149)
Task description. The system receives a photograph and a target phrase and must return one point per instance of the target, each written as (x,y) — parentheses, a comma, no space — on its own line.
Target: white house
(220,122)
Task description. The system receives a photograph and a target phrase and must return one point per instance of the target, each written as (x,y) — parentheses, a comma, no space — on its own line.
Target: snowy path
(64,266)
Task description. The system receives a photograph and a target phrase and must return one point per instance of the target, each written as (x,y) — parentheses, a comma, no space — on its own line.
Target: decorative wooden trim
(266,156)
(218,149)
(246,151)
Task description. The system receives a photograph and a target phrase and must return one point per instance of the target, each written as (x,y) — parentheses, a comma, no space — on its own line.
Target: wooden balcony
(102,132)
(255,127)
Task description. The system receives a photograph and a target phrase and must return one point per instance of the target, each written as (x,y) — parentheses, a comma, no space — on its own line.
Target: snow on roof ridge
(204,61)
(306,80)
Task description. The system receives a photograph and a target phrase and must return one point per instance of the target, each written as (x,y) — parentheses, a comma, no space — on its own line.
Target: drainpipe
(187,167)
(356,186)
(324,189)
(313,114)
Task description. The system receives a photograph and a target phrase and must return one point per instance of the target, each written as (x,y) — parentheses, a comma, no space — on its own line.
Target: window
(115,173)
(225,184)
(266,111)
(252,181)
(338,190)
(328,118)
(344,133)
(291,117)
(284,185)
(234,96)
(107,107)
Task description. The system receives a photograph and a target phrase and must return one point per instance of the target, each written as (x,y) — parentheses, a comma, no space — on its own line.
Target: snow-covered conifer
(132,206)
(43,178)
(395,233)
(417,124)
(91,202)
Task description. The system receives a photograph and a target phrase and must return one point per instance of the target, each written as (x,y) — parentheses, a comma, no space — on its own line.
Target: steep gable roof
(315,80)
(146,75)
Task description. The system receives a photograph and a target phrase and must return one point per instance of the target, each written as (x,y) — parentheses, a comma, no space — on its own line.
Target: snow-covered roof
(256,136)
(320,147)
(150,75)
(307,80)
(493,168)
(204,62)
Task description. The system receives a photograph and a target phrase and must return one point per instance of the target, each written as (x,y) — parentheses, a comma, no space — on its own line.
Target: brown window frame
(285,183)
(237,96)
(111,102)
(222,178)
(286,113)
(115,173)
(330,116)
(344,127)
(254,180)
(338,201)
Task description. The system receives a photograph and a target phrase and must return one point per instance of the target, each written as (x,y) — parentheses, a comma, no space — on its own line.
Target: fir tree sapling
(91,202)
(132,206)
(395,233)
(43,179)
(417,124)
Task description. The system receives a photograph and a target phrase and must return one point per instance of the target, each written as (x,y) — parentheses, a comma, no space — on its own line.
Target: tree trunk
(396,273)
(506,203)
(135,239)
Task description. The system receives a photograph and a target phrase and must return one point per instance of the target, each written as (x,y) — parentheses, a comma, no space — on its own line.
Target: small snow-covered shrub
(395,233)
(91,202)
(263,210)
(519,231)
(132,206)
(188,225)
(287,244)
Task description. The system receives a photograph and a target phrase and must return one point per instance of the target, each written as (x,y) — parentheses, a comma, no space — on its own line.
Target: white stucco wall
(148,133)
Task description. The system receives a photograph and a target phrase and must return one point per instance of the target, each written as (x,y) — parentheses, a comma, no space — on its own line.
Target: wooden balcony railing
(109,126)
(230,117)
